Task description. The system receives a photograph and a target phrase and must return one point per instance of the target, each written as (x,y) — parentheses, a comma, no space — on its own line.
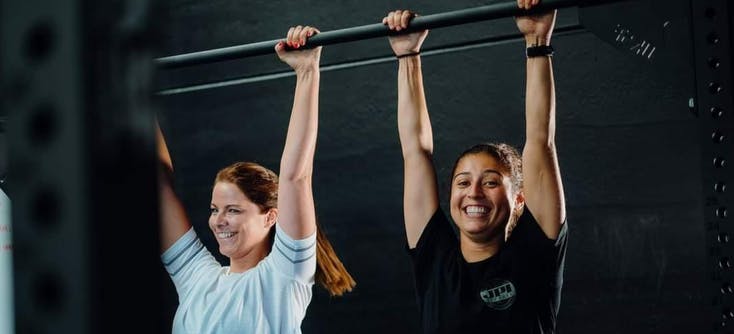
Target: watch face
(499,294)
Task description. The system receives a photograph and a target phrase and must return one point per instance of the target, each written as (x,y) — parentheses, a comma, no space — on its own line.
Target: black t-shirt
(518,290)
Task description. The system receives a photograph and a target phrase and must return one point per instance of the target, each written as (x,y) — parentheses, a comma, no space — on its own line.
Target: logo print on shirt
(500,294)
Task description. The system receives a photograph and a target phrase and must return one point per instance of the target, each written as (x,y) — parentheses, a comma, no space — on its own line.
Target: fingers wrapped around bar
(398,19)
(291,50)
(404,44)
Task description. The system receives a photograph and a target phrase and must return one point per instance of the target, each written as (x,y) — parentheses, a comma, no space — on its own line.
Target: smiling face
(239,225)
(483,198)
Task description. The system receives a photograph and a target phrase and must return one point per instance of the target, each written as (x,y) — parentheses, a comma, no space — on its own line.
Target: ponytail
(260,185)
(330,272)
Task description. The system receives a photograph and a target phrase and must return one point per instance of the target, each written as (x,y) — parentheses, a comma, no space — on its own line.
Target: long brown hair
(260,185)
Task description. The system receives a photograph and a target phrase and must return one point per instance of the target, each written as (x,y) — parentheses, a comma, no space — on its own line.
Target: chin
(481,228)
(473,225)
(226,251)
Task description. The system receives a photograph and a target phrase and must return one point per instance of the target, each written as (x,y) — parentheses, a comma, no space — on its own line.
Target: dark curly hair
(507,155)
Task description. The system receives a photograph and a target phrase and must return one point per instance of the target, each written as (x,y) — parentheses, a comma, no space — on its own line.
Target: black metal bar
(444,49)
(463,16)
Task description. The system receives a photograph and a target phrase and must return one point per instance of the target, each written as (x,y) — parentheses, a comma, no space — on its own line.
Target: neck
(475,251)
(249,260)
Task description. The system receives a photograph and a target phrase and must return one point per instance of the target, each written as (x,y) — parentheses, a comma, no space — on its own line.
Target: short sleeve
(186,260)
(433,249)
(528,233)
(437,233)
(294,258)
(533,245)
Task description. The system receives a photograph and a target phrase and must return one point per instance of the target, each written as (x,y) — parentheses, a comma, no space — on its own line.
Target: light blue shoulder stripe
(195,253)
(291,260)
(181,251)
(305,248)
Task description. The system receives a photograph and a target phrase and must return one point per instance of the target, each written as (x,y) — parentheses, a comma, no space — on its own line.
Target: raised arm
(420,193)
(542,187)
(174,222)
(297,216)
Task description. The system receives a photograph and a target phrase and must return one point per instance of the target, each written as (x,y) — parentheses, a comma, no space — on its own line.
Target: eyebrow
(211,205)
(486,171)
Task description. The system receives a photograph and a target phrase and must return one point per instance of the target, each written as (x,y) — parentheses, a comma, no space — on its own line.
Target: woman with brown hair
(503,273)
(266,226)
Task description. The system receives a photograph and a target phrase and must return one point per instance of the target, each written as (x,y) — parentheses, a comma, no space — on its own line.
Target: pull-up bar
(457,17)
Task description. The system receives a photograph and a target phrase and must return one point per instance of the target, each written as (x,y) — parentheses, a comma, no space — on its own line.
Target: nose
(219,219)
(475,190)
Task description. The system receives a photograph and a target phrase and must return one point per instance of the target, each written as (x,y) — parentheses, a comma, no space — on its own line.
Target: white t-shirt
(271,297)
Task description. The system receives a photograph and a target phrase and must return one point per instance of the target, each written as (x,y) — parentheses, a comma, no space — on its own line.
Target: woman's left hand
(536,28)
(299,59)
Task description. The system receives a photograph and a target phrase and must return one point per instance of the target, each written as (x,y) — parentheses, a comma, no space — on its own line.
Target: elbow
(417,155)
(296,166)
(417,151)
(295,179)
(418,145)
(295,175)
(539,146)
(294,184)
(544,142)
(541,137)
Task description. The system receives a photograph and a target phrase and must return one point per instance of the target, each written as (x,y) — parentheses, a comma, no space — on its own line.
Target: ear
(519,202)
(271,217)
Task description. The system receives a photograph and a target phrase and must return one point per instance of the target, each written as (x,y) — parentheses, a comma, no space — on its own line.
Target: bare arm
(420,193)
(543,189)
(174,222)
(297,216)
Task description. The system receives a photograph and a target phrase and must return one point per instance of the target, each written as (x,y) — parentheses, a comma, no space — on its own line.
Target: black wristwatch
(539,51)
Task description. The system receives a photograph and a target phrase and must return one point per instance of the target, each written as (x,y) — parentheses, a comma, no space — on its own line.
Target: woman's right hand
(404,44)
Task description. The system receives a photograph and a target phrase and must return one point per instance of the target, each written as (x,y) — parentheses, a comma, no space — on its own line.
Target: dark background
(627,145)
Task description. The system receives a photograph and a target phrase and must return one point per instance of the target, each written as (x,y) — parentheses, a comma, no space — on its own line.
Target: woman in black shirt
(503,274)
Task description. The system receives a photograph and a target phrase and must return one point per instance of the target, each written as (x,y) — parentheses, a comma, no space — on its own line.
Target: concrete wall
(626,140)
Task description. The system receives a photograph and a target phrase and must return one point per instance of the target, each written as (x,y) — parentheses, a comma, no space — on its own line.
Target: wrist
(409,54)
(539,51)
(410,60)
(532,40)
(399,51)
(306,70)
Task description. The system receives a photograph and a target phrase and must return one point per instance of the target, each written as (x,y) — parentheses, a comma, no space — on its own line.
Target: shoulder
(288,246)
(437,247)
(437,233)
(528,232)
(295,259)
(188,249)
(186,241)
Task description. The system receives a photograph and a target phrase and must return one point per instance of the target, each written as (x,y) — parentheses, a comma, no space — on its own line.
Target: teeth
(225,235)
(475,209)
